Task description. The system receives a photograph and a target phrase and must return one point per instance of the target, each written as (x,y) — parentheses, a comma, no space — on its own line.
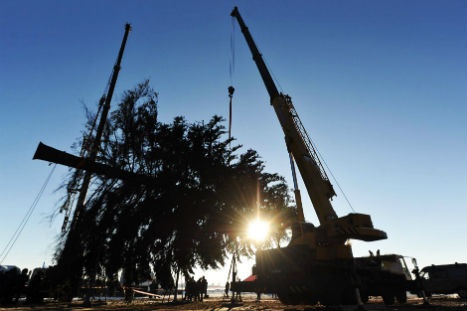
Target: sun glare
(258,230)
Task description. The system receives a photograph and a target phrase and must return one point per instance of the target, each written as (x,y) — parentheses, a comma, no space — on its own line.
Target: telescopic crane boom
(333,230)
(100,129)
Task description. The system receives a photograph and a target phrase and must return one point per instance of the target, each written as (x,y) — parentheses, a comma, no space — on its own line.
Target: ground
(436,304)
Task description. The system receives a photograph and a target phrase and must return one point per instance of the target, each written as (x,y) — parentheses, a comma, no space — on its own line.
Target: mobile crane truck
(318,263)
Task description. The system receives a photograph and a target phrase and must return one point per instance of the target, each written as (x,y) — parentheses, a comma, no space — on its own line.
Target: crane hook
(231,91)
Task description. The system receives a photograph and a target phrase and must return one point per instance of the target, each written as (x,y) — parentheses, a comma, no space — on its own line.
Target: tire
(330,300)
(364,298)
(388,299)
(311,300)
(462,293)
(401,297)
(288,298)
(349,297)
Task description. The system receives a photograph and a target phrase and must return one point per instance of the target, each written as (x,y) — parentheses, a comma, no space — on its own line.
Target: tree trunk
(176,285)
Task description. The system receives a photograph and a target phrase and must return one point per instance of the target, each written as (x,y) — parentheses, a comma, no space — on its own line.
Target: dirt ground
(436,304)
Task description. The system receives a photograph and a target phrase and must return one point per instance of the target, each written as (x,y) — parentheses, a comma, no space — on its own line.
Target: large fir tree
(203,194)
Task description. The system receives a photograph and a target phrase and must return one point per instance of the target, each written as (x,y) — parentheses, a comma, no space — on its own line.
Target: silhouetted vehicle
(445,279)
(37,289)
(318,263)
(386,275)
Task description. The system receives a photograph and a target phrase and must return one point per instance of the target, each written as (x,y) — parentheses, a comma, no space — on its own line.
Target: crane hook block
(231,90)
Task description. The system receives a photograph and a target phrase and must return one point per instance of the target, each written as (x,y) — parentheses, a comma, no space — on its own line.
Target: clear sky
(379,85)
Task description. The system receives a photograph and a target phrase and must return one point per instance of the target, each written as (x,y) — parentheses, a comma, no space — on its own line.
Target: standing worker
(204,287)
(227,288)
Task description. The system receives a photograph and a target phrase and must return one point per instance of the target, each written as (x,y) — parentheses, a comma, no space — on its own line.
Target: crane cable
(332,175)
(231,89)
(232,51)
(15,236)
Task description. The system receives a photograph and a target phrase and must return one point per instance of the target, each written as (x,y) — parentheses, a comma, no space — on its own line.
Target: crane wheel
(401,297)
(462,293)
(288,298)
(388,299)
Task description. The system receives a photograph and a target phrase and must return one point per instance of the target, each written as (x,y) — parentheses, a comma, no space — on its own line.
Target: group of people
(196,290)
(12,283)
(33,285)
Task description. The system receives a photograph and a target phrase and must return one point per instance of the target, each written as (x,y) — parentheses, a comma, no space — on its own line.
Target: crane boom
(298,142)
(263,70)
(330,236)
(100,129)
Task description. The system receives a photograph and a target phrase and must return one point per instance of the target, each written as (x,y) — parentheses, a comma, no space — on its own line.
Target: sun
(258,230)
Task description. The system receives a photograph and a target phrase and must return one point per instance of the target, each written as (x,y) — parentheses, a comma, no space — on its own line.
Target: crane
(325,243)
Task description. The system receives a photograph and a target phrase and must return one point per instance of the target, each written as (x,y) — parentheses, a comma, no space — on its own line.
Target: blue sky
(379,85)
